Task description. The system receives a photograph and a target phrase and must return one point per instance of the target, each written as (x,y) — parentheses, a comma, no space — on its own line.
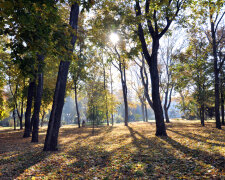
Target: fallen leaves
(190,152)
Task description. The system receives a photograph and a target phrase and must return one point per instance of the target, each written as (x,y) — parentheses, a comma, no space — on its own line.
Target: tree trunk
(28,109)
(216,74)
(145,83)
(222,104)
(37,101)
(93,121)
(112,120)
(106,97)
(77,108)
(153,64)
(34,95)
(125,104)
(111,91)
(157,106)
(202,115)
(124,87)
(14,118)
(51,139)
(21,118)
(42,118)
(17,109)
(165,105)
(142,110)
(58,102)
(20,115)
(217,96)
(146,112)
(122,70)
(166,115)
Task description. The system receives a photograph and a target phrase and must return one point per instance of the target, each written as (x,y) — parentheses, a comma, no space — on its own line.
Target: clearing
(189,152)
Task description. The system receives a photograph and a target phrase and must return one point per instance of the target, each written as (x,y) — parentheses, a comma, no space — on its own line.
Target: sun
(114,38)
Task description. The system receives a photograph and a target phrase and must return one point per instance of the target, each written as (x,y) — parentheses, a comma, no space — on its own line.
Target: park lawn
(189,152)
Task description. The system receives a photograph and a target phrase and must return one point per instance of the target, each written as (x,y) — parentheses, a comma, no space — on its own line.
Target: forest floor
(189,152)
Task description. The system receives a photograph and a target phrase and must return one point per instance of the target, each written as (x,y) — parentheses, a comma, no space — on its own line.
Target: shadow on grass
(164,156)
(18,154)
(199,138)
(21,163)
(154,154)
(87,157)
(90,157)
(216,160)
(85,133)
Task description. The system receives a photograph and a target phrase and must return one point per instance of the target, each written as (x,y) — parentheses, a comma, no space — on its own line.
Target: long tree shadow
(18,154)
(21,163)
(84,133)
(159,155)
(216,160)
(88,158)
(192,136)
(217,134)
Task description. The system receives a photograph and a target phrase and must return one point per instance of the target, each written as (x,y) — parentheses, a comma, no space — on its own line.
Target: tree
(37,100)
(30,94)
(32,30)
(51,140)
(215,19)
(167,84)
(79,63)
(141,96)
(213,12)
(193,71)
(159,16)
(121,67)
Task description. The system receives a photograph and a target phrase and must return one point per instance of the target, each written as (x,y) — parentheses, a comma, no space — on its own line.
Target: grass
(189,152)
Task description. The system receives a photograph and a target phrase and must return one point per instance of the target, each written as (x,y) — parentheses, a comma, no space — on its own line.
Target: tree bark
(152,59)
(122,71)
(14,118)
(166,115)
(37,101)
(202,115)
(124,87)
(51,139)
(222,102)
(34,95)
(111,92)
(125,102)
(42,118)
(160,125)
(165,105)
(153,67)
(77,108)
(216,74)
(144,79)
(58,102)
(28,109)
(106,97)
(21,115)
(146,112)
(142,109)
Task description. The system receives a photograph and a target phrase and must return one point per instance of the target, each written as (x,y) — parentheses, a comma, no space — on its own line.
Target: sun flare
(114,38)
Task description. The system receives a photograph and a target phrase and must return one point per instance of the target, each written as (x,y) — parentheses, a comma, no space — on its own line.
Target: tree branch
(141,33)
(219,21)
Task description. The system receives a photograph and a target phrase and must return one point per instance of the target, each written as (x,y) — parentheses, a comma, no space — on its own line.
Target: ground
(189,152)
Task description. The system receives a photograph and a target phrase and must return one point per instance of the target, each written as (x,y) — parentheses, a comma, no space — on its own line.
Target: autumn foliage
(134,152)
